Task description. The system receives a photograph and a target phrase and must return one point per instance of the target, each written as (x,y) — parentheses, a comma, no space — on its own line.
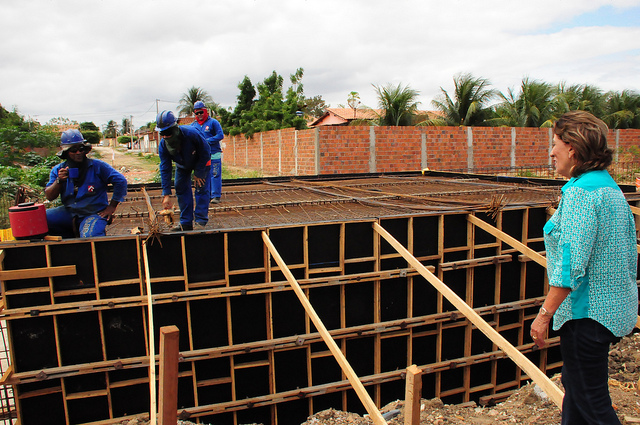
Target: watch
(545,312)
(58,180)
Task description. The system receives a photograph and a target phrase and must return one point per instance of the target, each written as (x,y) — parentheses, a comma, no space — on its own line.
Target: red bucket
(28,221)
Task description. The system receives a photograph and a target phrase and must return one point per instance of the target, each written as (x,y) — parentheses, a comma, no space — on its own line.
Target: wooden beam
(508,240)
(152,345)
(168,394)
(362,393)
(520,359)
(412,396)
(37,272)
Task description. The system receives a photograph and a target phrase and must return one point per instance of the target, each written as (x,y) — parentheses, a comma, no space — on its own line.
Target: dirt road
(131,163)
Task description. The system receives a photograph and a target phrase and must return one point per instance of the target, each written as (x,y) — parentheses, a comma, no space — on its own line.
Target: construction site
(300,294)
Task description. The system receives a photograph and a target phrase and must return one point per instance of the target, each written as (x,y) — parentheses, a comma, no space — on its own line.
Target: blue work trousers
(60,222)
(216,178)
(185,197)
(584,344)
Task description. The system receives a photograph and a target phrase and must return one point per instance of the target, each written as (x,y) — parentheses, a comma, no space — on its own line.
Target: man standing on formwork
(213,134)
(185,146)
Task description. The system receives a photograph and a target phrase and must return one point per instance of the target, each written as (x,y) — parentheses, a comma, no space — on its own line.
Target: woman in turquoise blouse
(591,264)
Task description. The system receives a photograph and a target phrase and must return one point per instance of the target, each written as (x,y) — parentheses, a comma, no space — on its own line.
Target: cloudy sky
(97,60)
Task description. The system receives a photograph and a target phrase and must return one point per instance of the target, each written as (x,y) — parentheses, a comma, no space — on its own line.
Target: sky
(101,60)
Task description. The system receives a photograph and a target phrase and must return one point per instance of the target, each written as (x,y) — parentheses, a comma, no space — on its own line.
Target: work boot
(215,200)
(182,228)
(199,226)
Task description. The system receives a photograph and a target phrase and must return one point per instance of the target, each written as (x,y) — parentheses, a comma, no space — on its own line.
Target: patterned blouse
(591,249)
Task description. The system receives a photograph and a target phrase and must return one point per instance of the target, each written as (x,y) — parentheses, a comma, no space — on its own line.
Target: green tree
(399,104)
(622,109)
(190,97)
(534,106)
(230,120)
(88,126)
(583,97)
(469,105)
(91,132)
(314,106)
(111,129)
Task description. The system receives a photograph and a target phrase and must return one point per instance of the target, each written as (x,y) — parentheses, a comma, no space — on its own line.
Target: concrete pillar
(423,151)
(469,149)
(316,147)
(549,161)
(295,152)
(372,149)
(513,147)
(279,152)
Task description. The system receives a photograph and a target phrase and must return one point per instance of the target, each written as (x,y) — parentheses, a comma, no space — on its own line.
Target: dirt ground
(129,162)
(136,169)
(528,405)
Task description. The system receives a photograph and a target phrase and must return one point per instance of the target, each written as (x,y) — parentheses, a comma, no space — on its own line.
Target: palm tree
(532,107)
(582,97)
(192,96)
(399,104)
(622,109)
(469,105)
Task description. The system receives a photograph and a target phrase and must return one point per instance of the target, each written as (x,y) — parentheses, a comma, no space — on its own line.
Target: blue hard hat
(199,105)
(164,120)
(72,137)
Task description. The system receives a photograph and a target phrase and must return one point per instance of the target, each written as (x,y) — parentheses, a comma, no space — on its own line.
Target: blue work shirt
(213,133)
(591,249)
(194,156)
(92,196)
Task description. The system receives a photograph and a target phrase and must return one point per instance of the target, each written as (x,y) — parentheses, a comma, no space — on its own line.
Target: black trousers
(584,344)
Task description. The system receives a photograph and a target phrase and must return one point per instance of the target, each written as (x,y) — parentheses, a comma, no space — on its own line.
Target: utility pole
(131,129)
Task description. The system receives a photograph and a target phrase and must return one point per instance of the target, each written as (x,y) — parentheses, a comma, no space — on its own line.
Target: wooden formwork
(78,316)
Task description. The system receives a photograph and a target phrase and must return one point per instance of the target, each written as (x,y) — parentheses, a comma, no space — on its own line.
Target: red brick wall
(346,149)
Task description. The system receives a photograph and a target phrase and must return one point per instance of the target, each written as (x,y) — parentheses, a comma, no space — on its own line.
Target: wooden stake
(412,396)
(362,393)
(152,343)
(520,359)
(168,394)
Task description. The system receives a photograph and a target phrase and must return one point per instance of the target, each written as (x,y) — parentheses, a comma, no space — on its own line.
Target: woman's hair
(587,135)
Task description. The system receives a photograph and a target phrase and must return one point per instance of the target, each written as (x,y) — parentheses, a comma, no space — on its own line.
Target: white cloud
(108,59)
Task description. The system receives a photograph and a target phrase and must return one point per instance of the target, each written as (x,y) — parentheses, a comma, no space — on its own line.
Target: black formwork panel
(245,338)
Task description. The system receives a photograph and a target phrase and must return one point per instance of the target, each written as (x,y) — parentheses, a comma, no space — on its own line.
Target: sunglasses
(199,112)
(167,132)
(77,149)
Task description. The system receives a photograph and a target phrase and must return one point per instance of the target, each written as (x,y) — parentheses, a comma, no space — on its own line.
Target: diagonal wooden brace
(520,359)
(362,393)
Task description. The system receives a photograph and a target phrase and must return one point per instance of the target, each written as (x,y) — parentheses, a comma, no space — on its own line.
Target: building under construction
(77,311)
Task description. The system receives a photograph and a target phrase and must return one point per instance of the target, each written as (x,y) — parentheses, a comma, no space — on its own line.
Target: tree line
(473,102)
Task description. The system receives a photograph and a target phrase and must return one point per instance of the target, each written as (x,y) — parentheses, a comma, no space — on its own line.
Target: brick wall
(363,149)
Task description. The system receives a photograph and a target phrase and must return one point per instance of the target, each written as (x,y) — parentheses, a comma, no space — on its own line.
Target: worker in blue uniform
(213,134)
(187,147)
(82,184)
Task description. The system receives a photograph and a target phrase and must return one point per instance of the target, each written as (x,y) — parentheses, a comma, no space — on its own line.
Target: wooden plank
(152,344)
(362,393)
(511,241)
(168,394)
(412,396)
(37,272)
(522,361)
